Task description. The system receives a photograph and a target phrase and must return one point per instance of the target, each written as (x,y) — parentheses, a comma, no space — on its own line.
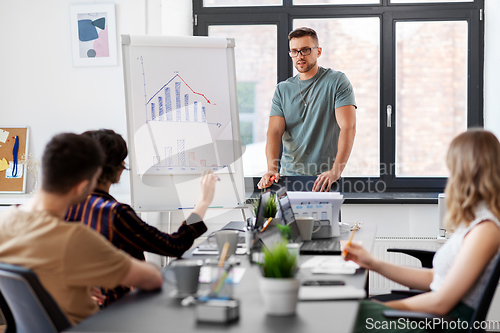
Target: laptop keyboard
(325,246)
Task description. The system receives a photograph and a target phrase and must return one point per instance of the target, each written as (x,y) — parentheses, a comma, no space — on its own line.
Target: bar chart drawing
(184,111)
(185,119)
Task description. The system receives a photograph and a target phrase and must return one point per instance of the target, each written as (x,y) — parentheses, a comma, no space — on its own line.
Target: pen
(223,255)
(266,224)
(349,242)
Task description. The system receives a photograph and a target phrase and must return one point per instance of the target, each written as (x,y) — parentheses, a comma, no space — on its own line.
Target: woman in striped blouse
(120,224)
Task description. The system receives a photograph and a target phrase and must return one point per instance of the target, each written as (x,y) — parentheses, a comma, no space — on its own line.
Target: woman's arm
(415,278)
(478,248)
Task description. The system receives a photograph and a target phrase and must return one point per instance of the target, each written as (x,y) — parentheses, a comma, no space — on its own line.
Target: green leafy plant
(271,207)
(278,262)
(254,203)
(286,233)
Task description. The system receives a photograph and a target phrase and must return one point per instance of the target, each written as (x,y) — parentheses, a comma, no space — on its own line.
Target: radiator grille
(382,285)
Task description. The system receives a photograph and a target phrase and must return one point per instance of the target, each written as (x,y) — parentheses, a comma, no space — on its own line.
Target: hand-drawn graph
(185,123)
(160,106)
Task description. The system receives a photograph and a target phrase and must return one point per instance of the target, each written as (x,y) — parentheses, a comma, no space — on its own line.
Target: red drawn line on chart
(194,92)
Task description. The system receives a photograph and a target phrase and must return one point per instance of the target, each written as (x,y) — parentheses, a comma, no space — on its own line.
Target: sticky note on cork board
(4,164)
(3,135)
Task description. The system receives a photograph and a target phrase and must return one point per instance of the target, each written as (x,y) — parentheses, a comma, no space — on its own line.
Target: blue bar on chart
(168,156)
(186,106)
(195,111)
(203,115)
(160,108)
(181,152)
(168,104)
(178,100)
(153,111)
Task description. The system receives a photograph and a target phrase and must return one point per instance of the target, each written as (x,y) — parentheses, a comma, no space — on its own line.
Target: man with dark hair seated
(120,224)
(68,258)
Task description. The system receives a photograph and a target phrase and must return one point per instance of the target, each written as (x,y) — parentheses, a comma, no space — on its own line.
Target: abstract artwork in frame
(93,35)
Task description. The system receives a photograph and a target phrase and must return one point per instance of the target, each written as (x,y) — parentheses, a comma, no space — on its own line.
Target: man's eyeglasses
(304,52)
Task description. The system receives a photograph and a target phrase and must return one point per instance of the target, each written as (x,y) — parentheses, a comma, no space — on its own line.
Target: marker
(272,178)
(266,224)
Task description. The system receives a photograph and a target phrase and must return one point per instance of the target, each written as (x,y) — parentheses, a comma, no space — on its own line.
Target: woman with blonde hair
(462,265)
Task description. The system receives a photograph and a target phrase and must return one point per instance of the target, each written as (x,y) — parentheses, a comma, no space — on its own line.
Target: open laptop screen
(261,210)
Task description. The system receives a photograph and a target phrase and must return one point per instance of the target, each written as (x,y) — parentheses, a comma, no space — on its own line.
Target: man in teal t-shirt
(314,114)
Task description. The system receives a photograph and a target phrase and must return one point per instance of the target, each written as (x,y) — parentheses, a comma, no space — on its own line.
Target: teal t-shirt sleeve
(344,94)
(276,107)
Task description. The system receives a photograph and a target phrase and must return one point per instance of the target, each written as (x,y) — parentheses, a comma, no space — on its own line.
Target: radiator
(381,285)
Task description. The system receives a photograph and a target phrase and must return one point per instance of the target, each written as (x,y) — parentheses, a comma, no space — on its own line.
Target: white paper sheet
(330,265)
(3,135)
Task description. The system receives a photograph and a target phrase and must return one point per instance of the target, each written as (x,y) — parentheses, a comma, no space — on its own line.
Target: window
(256,79)
(352,46)
(431,94)
(415,66)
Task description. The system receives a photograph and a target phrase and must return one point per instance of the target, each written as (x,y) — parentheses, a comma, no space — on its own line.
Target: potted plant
(278,286)
(271,209)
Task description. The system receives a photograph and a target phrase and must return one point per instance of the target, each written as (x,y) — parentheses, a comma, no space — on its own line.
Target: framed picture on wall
(93,35)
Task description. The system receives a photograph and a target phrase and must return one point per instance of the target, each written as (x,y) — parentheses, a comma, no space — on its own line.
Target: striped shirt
(121,226)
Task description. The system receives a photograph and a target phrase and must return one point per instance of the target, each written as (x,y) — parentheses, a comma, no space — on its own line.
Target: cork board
(7,141)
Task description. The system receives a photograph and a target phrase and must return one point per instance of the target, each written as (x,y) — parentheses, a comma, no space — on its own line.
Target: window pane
(352,46)
(256,75)
(240,3)
(334,2)
(431,94)
(428,1)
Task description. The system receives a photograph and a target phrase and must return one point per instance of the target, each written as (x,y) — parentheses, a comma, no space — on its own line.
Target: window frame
(389,14)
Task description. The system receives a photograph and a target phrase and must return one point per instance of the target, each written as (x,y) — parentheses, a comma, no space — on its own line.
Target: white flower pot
(279,295)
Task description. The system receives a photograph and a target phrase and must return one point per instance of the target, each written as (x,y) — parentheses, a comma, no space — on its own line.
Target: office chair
(7,316)
(479,314)
(30,306)
(425,257)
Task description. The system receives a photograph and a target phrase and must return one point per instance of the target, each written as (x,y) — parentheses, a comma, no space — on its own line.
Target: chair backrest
(32,307)
(7,315)
(486,297)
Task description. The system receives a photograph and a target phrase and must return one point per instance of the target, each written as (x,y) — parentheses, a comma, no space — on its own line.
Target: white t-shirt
(445,256)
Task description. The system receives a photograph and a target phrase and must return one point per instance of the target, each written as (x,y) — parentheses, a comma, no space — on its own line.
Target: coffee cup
(306,224)
(186,273)
(227,236)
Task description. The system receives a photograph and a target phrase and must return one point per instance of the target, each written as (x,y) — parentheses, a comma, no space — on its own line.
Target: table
(158,312)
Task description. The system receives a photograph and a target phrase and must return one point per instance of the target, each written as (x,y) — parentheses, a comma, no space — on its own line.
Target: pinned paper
(3,135)
(8,173)
(4,164)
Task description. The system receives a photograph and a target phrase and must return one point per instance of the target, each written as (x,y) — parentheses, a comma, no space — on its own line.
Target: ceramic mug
(229,236)
(306,224)
(187,274)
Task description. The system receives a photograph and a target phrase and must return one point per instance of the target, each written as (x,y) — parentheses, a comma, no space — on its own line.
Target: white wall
(40,88)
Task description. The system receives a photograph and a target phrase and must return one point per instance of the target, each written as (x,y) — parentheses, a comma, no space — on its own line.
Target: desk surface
(158,312)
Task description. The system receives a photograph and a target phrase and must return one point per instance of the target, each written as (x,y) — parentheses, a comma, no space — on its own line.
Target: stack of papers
(330,265)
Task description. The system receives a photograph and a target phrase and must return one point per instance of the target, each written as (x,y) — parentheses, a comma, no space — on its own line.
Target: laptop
(259,220)
(329,246)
